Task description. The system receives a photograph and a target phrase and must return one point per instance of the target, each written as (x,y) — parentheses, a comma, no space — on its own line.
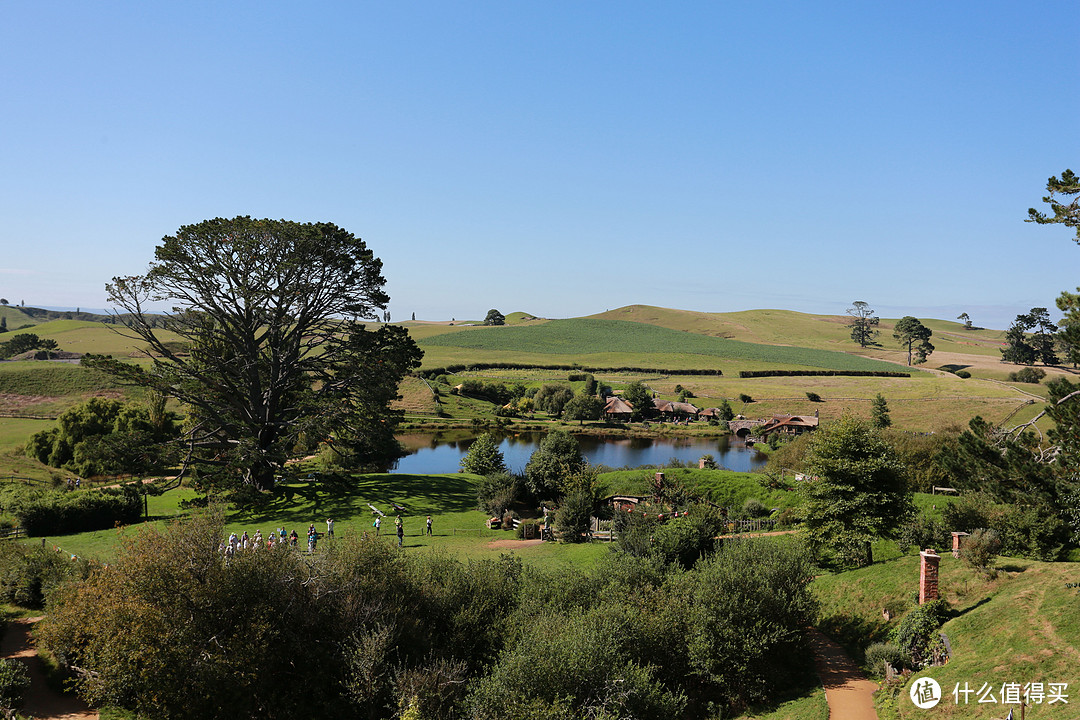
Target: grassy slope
(1023,626)
(16,318)
(650,344)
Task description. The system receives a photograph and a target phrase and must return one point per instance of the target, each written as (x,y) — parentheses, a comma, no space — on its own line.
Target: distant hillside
(787,327)
(590,336)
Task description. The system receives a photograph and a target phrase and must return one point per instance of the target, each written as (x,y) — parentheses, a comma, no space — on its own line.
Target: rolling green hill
(647,342)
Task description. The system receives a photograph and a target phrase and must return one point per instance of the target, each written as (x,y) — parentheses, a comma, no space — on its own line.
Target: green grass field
(588,336)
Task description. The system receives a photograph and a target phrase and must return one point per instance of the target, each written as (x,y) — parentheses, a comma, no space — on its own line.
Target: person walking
(428,524)
(329,527)
(400,532)
(378,524)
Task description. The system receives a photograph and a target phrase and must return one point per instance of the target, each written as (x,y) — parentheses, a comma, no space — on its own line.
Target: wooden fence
(12,533)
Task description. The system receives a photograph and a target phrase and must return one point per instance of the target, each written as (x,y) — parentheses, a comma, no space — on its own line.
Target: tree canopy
(272,353)
(863,323)
(1064,213)
(858,493)
(494,317)
(911,333)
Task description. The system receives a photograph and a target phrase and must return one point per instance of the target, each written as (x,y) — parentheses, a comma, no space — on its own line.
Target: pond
(442,453)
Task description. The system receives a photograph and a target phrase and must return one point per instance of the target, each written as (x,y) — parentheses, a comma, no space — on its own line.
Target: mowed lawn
(457,527)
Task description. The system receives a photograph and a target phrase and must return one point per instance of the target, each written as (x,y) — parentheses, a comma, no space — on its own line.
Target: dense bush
(14,682)
(963,374)
(979,549)
(812,396)
(484,456)
(1024,531)
(436,372)
(364,630)
(27,574)
(877,654)
(498,491)
(1028,375)
(923,532)
(58,512)
(682,541)
(918,634)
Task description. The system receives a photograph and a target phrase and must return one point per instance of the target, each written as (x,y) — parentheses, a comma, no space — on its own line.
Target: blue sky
(561,158)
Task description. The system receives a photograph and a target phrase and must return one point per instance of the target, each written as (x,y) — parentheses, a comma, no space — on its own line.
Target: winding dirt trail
(848,692)
(41,702)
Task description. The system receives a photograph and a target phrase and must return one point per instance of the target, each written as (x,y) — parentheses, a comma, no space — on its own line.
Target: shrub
(484,457)
(917,635)
(980,548)
(1028,375)
(14,682)
(497,491)
(923,532)
(28,573)
(528,529)
(963,374)
(754,508)
(55,512)
(573,516)
(877,654)
(813,396)
(744,398)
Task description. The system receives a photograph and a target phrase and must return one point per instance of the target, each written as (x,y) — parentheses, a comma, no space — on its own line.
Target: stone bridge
(741,427)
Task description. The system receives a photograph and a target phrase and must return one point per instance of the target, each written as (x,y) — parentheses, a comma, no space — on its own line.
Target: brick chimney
(928,575)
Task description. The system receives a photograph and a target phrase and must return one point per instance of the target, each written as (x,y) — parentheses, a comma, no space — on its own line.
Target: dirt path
(848,692)
(41,702)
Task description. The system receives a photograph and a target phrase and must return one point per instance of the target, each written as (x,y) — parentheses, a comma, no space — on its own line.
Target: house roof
(617,405)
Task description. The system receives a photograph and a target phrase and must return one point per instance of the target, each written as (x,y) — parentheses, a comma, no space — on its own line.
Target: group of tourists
(280,538)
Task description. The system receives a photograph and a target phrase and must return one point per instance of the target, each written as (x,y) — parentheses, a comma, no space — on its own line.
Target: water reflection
(431,453)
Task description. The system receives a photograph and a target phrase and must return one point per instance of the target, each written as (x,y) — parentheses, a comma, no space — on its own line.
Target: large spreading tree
(915,336)
(863,323)
(264,345)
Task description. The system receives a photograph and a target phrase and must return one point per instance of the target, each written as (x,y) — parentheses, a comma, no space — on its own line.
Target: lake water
(439,453)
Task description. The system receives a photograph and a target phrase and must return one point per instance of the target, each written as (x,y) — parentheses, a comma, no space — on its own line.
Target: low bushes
(58,512)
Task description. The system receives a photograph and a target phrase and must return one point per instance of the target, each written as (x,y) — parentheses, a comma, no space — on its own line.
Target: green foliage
(28,573)
(923,532)
(573,515)
(494,317)
(583,407)
(1065,213)
(726,413)
(963,374)
(863,323)
(484,457)
(557,458)
(918,634)
(877,654)
(552,398)
(979,549)
(681,541)
(58,512)
(105,437)
(498,491)
(813,396)
(1028,375)
(744,398)
(276,350)
(14,682)
(860,494)
(18,344)
(1024,531)
(1023,348)
(915,336)
(640,399)
(879,412)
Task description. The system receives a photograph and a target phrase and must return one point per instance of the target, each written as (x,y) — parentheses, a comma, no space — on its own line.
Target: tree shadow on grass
(347,498)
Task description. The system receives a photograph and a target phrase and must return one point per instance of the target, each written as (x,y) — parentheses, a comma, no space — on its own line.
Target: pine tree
(879,412)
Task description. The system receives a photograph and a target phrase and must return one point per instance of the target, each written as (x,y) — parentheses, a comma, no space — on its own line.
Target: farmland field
(650,343)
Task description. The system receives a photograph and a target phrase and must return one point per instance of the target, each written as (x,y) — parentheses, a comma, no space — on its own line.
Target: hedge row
(435,372)
(64,512)
(820,373)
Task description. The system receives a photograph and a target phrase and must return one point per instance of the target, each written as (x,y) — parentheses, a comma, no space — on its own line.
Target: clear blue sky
(560,158)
